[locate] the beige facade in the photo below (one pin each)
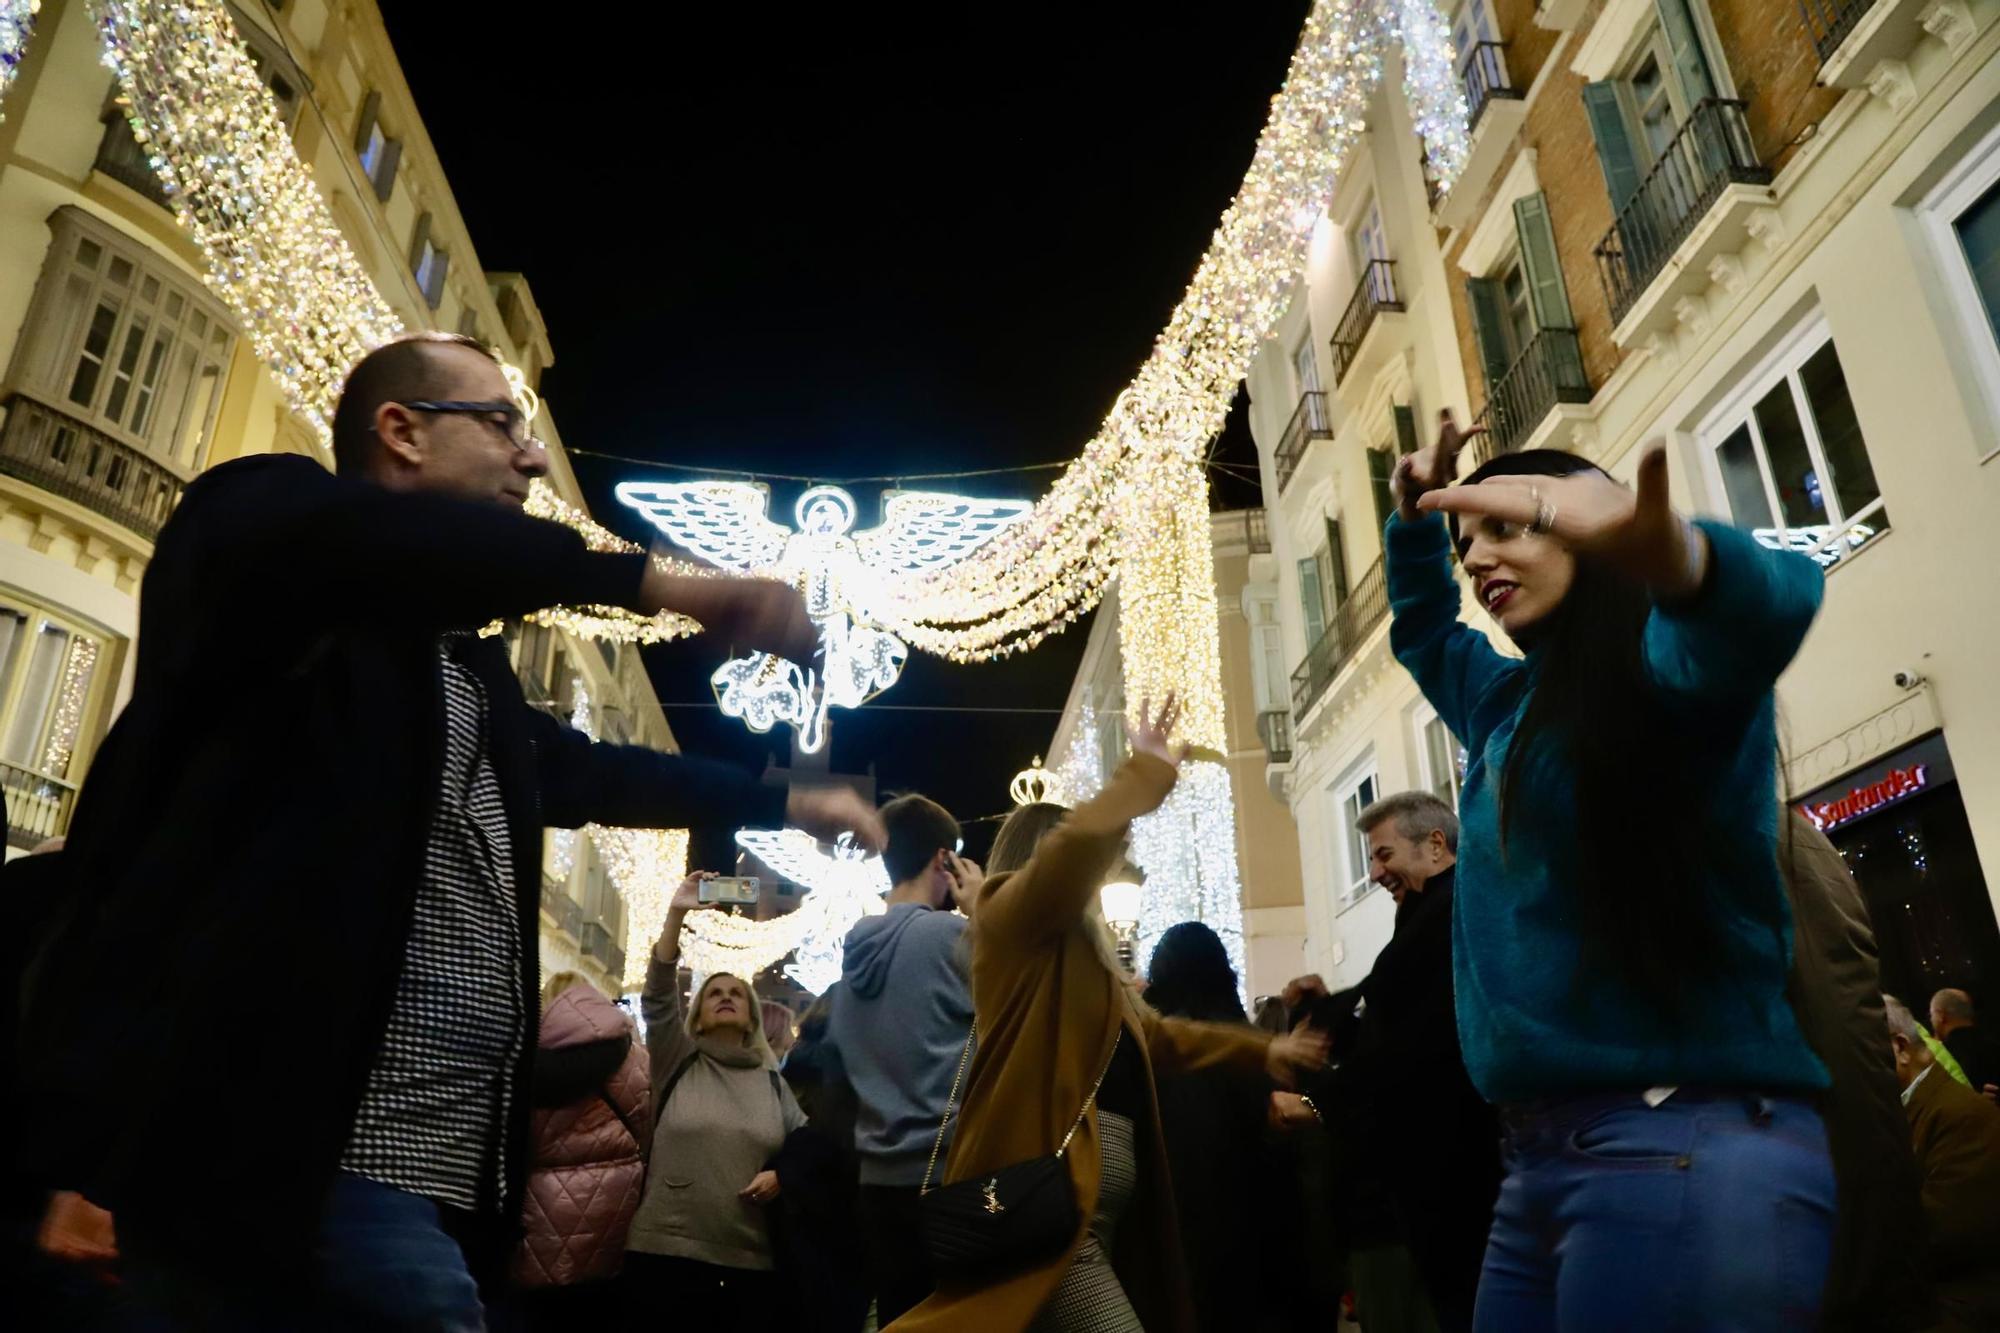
(1763, 233)
(123, 379)
(1253, 669)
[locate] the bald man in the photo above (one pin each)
(1974, 1047)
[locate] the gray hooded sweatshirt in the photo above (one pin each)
(900, 1022)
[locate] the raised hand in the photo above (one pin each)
(1635, 532)
(1149, 733)
(1432, 467)
(761, 615)
(687, 898)
(827, 812)
(965, 876)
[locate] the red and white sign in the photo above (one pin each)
(1897, 784)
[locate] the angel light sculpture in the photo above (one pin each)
(843, 575)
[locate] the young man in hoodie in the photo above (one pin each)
(900, 1023)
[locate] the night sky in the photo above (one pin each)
(848, 242)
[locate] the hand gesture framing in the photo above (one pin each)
(1149, 734)
(1635, 532)
(1432, 467)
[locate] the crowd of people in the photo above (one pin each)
(1605, 1073)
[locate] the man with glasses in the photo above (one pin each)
(285, 1035)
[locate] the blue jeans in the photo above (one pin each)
(1711, 1211)
(384, 1261)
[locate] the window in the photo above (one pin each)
(1528, 297)
(1350, 797)
(47, 669)
(1371, 244)
(1516, 312)
(428, 262)
(124, 344)
(1636, 115)
(378, 152)
(1441, 759)
(1471, 24)
(1789, 456)
(1382, 461)
(1961, 216)
(1269, 680)
(1305, 364)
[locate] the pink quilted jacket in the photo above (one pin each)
(589, 1164)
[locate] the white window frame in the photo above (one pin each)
(1422, 718)
(1937, 212)
(1267, 645)
(74, 740)
(1781, 365)
(1346, 838)
(1305, 364)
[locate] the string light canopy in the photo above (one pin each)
(1134, 504)
(17, 25)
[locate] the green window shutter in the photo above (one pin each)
(435, 292)
(1540, 263)
(417, 239)
(1406, 428)
(1381, 462)
(1336, 565)
(1684, 42)
(385, 174)
(1616, 153)
(1489, 328)
(1311, 603)
(371, 109)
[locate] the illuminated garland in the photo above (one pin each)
(17, 27)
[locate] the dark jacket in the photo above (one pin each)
(1956, 1135)
(1978, 1054)
(1875, 1282)
(260, 810)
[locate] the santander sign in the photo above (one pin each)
(1894, 786)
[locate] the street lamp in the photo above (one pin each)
(1120, 901)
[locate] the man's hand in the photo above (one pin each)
(77, 1231)
(1290, 1111)
(828, 812)
(763, 1188)
(965, 877)
(761, 615)
(1634, 531)
(1300, 989)
(1432, 467)
(1301, 1048)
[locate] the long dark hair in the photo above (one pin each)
(1642, 833)
(1190, 976)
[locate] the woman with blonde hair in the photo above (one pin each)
(1060, 1088)
(700, 1247)
(590, 1125)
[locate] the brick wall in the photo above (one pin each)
(1773, 65)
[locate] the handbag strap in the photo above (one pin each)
(951, 1101)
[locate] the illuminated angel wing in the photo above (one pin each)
(797, 856)
(924, 530)
(722, 522)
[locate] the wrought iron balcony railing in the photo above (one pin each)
(1828, 22)
(1375, 293)
(1310, 422)
(120, 157)
(1250, 526)
(1709, 153)
(1274, 728)
(65, 457)
(1353, 621)
(38, 805)
(1548, 371)
(1485, 77)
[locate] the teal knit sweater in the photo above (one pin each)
(1530, 1025)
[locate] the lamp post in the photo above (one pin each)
(1120, 901)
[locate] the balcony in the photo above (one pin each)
(1249, 526)
(1854, 39)
(53, 450)
(1375, 294)
(120, 157)
(567, 911)
(1312, 421)
(597, 942)
(1484, 75)
(1353, 621)
(38, 806)
(1548, 372)
(1274, 728)
(1666, 229)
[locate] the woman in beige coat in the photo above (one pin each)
(1054, 1011)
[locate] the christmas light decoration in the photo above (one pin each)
(1128, 508)
(74, 689)
(1080, 774)
(843, 579)
(1035, 784)
(17, 27)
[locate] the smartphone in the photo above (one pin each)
(734, 890)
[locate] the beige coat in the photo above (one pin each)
(1048, 1012)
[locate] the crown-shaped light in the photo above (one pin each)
(1033, 784)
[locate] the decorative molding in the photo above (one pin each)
(1691, 312)
(1950, 21)
(1616, 26)
(1767, 227)
(1663, 346)
(1890, 80)
(1726, 272)
(1495, 232)
(1915, 714)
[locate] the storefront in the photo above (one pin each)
(1902, 829)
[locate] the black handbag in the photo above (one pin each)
(1004, 1220)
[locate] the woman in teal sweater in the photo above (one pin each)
(1620, 934)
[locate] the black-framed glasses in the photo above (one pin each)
(501, 412)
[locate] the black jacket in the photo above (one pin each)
(245, 853)
(1977, 1053)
